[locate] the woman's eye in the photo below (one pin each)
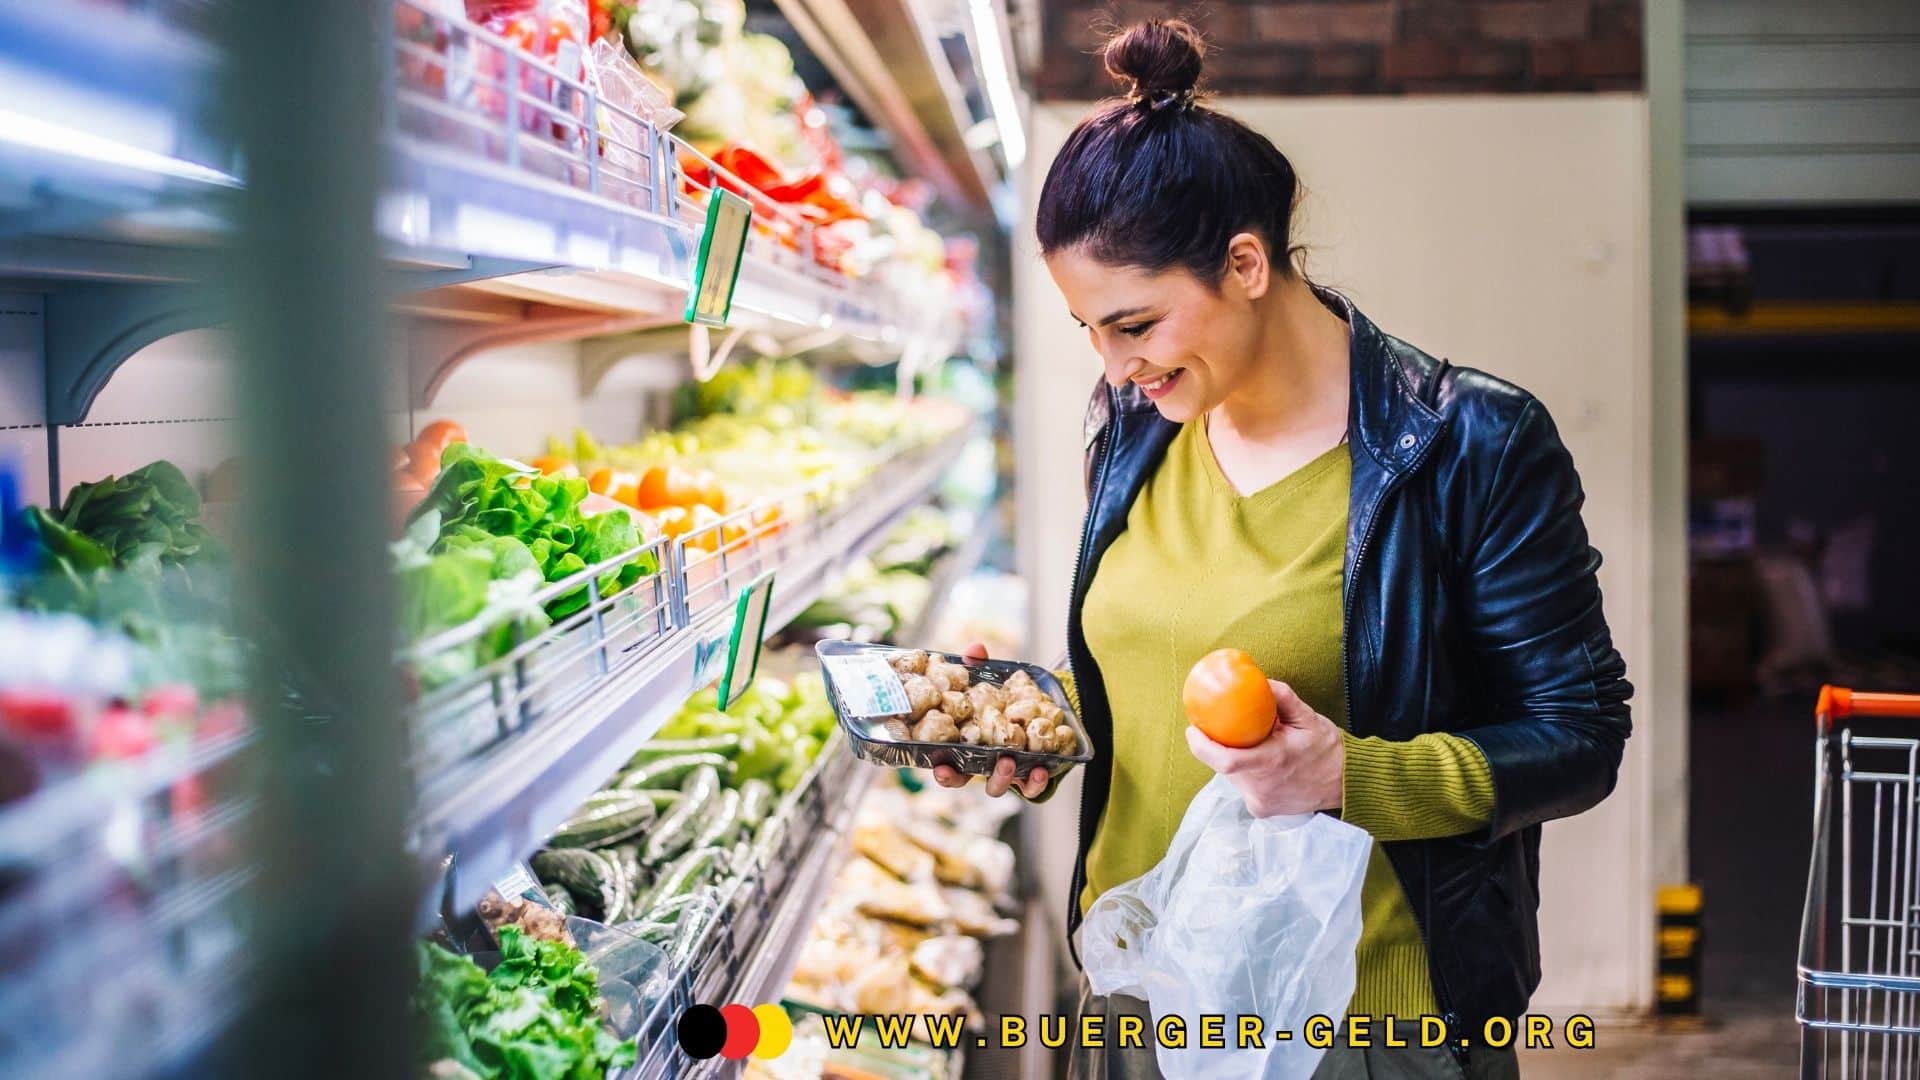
(1136, 329)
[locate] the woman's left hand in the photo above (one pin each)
(1298, 769)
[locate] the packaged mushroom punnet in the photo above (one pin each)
(919, 709)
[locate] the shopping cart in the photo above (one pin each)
(1859, 993)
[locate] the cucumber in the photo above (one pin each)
(627, 856)
(693, 927)
(659, 748)
(560, 898)
(663, 799)
(686, 874)
(654, 933)
(619, 889)
(606, 819)
(681, 824)
(586, 874)
(668, 911)
(756, 799)
(721, 822)
(667, 771)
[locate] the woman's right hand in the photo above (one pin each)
(1001, 779)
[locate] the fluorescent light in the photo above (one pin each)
(998, 81)
(37, 134)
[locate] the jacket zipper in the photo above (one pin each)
(1086, 535)
(1441, 995)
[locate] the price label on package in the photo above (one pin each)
(518, 881)
(867, 685)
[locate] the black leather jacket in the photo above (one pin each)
(1471, 606)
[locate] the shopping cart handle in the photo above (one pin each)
(1840, 703)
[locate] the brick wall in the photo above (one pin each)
(1293, 47)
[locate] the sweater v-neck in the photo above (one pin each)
(1278, 489)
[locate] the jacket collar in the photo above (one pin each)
(1386, 413)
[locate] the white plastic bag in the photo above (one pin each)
(1244, 916)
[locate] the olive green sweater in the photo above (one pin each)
(1202, 567)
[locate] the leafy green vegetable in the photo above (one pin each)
(130, 552)
(534, 1017)
(478, 496)
(447, 583)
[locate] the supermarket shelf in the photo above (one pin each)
(755, 939)
(766, 966)
(119, 126)
(776, 950)
(122, 163)
(884, 57)
(550, 738)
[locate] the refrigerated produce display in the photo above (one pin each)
(556, 480)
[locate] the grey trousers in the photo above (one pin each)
(1338, 1063)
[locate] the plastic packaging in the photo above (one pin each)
(867, 700)
(1244, 916)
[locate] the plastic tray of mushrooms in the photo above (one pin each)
(919, 709)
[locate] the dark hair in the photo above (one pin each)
(1154, 180)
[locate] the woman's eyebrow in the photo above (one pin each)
(1123, 313)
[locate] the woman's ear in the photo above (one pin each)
(1249, 264)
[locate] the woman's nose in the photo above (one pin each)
(1120, 369)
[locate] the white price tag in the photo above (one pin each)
(867, 685)
(516, 882)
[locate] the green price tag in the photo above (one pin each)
(749, 633)
(717, 270)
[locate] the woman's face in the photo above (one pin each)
(1185, 345)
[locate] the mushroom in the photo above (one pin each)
(984, 696)
(1020, 684)
(922, 694)
(957, 675)
(936, 726)
(956, 705)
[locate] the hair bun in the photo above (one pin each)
(1159, 60)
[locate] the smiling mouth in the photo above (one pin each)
(1160, 386)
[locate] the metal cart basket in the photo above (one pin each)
(1859, 967)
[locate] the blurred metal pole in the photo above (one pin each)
(329, 954)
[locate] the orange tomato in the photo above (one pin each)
(668, 485)
(674, 521)
(703, 535)
(766, 520)
(625, 489)
(434, 438)
(550, 463)
(732, 535)
(422, 466)
(599, 480)
(711, 491)
(1227, 697)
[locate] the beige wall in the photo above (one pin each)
(1509, 234)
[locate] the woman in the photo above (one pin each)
(1396, 541)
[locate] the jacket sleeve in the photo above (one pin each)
(1530, 601)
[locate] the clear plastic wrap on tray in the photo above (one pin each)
(919, 709)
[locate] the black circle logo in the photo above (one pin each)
(702, 1031)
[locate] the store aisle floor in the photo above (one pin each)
(1750, 840)
(1739, 1044)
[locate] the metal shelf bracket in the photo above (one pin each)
(92, 329)
(436, 348)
